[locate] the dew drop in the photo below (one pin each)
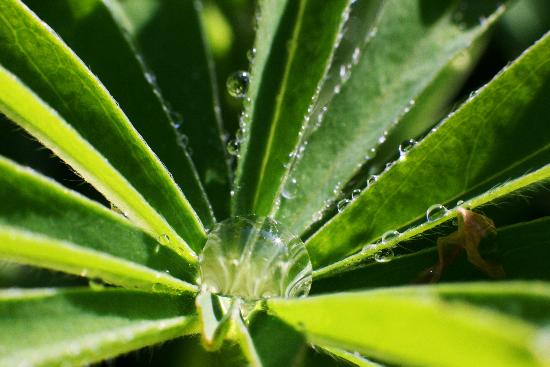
(342, 204)
(317, 216)
(237, 84)
(164, 239)
(251, 54)
(384, 256)
(355, 56)
(406, 146)
(368, 248)
(372, 179)
(290, 189)
(355, 193)
(459, 203)
(435, 212)
(242, 258)
(390, 236)
(233, 147)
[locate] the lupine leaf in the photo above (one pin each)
(170, 35)
(294, 46)
(523, 249)
(89, 28)
(466, 155)
(44, 224)
(392, 71)
(456, 325)
(80, 326)
(120, 164)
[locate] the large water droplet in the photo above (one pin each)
(435, 212)
(384, 256)
(390, 236)
(253, 258)
(237, 84)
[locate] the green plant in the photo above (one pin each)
(335, 87)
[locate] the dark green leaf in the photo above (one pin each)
(88, 27)
(523, 250)
(120, 164)
(170, 35)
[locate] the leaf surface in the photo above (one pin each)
(466, 155)
(294, 45)
(90, 29)
(79, 326)
(458, 325)
(392, 70)
(44, 224)
(170, 36)
(522, 249)
(77, 118)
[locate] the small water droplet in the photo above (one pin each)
(435, 212)
(251, 54)
(355, 193)
(406, 146)
(384, 256)
(317, 216)
(290, 189)
(459, 203)
(342, 204)
(372, 179)
(355, 56)
(237, 84)
(390, 236)
(368, 248)
(233, 147)
(164, 239)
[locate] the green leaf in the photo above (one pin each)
(44, 224)
(458, 325)
(518, 184)
(276, 343)
(523, 249)
(355, 358)
(89, 29)
(170, 35)
(392, 71)
(294, 45)
(215, 320)
(466, 155)
(86, 128)
(80, 326)
(243, 337)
